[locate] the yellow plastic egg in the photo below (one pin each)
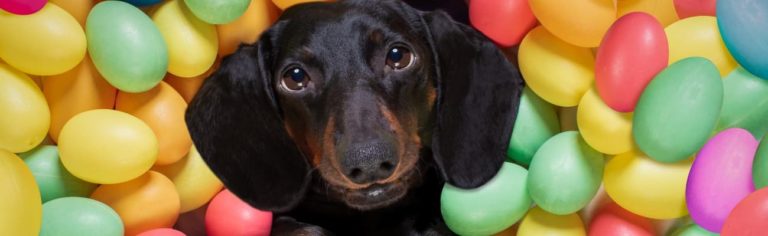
(194, 181)
(75, 91)
(77, 8)
(539, 222)
(144, 203)
(558, 72)
(662, 10)
(47, 42)
(246, 29)
(604, 129)
(579, 22)
(107, 146)
(283, 4)
(162, 108)
(25, 117)
(192, 43)
(21, 208)
(646, 187)
(699, 36)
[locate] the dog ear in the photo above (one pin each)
(235, 123)
(478, 95)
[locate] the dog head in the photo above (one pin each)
(355, 90)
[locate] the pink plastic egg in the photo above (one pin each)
(504, 21)
(228, 215)
(720, 177)
(632, 52)
(22, 7)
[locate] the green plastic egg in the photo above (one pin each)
(77, 216)
(565, 174)
(126, 46)
(678, 110)
(218, 11)
(760, 165)
(745, 103)
(490, 208)
(536, 122)
(51, 176)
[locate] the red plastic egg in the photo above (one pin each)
(749, 217)
(611, 219)
(688, 8)
(632, 52)
(504, 21)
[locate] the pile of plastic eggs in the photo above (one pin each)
(640, 117)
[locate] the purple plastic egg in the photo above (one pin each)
(720, 177)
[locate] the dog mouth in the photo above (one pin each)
(375, 196)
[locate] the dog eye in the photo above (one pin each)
(399, 58)
(295, 79)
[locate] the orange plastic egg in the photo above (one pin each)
(188, 87)
(75, 91)
(162, 108)
(246, 29)
(147, 202)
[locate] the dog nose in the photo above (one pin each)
(369, 162)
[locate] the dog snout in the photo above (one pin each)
(369, 162)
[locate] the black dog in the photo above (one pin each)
(348, 117)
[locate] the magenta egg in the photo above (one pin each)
(632, 52)
(720, 177)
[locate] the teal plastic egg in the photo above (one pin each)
(77, 216)
(51, 176)
(745, 103)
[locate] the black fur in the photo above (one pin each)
(238, 118)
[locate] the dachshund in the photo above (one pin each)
(349, 117)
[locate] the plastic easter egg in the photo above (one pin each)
(194, 181)
(51, 177)
(744, 103)
(690, 229)
(604, 129)
(126, 46)
(490, 208)
(75, 91)
(720, 177)
(741, 25)
(565, 174)
(25, 118)
(162, 108)
(284, 4)
(21, 206)
(579, 22)
(141, 3)
(760, 165)
(22, 7)
(611, 219)
(678, 110)
(699, 36)
(147, 202)
(188, 87)
(662, 10)
(689, 8)
(540, 222)
(504, 21)
(77, 8)
(558, 72)
(257, 17)
(749, 216)
(48, 42)
(162, 232)
(228, 215)
(632, 52)
(536, 122)
(218, 12)
(77, 216)
(646, 187)
(192, 43)
(107, 146)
